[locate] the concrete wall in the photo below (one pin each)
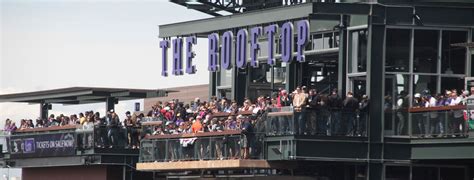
(69, 173)
(185, 94)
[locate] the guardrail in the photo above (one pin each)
(315, 122)
(69, 140)
(230, 144)
(428, 122)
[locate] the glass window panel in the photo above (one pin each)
(453, 59)
(472, 65)
(397, 173)
(397, 48)
(425, 173)
(426, 51)
(225, 77)
(396, 102)
(318, 41)
(359, 86)
(452, 174)
(449, 83)
(358, 52)
(425, 85)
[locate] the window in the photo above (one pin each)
(358, 51)
(424, 84)
(453, 59)
(397, 50)
(449, 83)
(472, 65)
(225, 77)
(325, 40)
(397, 172)
(425, 58)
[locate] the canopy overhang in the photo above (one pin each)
(82, 95)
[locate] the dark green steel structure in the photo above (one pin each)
(381, 154)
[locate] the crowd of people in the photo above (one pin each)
(431, 123)
(312, 113)
(108, 128)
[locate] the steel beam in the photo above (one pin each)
(204, 26)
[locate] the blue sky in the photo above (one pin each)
(49, 44)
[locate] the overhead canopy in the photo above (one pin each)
(82, 95)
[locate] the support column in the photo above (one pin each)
(342, 63)
(212, 84)
(375, 84)
(291, 76)
(44, 108)
(110, 103)
(239, 84)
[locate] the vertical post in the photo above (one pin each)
(212, 83)
(342, 63)
(44, 107)
(110, 103)
(376, 75)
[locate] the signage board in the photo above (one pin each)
(42, 145)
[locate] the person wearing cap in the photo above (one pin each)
(418, 118)
(457, 115)
(401, 112)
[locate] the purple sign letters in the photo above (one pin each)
(241, 54)
(164, 57)
(254, 46)
(190, 68)
(221, 55)
(178, 56)
(287, 42)
(226, 50)
(213, 52)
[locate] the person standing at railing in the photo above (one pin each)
(440, 127)
(432, 126)
(283, 100)
(128, 127)
(113, 122)
(246, 138)
(363, 116)
(349, 109)
(457, 123)
(401, 110)
(334, 105)
(418, 119)
(299, 103)
(313, 111)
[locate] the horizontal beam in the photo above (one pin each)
(195, 165)
(270, 15)
(48, 96)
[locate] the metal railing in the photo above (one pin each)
(202, 147)
(434, 122)
(101, 136)
(315, 122)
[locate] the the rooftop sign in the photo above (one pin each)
(220, 53)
